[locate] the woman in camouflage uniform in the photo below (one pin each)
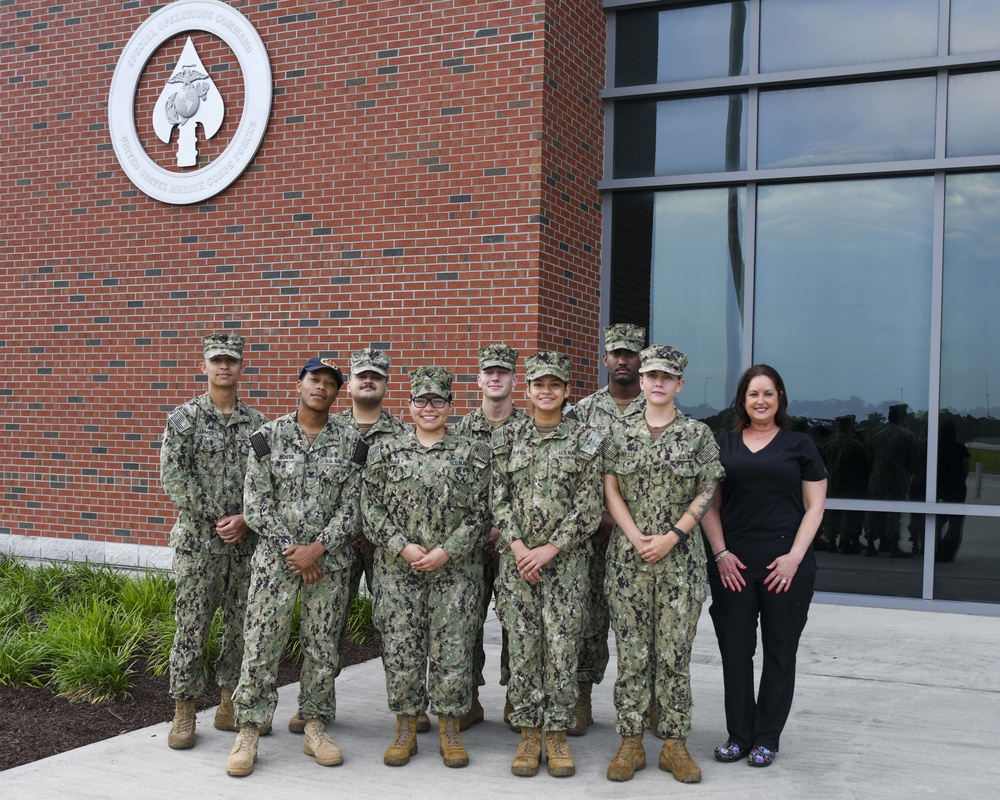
(658, 485)
(424, 499)
(546, 500)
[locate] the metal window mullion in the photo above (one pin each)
(934, 377)
(750, 271)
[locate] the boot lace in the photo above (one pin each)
(451, 732)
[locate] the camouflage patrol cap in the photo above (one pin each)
(223, 344)
(662, 358)
(370, 360)
(624, 336)
(314, 364)
(430, 380)
(547, 362)
(497, 355)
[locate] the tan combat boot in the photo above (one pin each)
(474, 715)
(423, 722)
(561, 764)
(181, 735)
(452, 749)
(296, 724)
(405, 743)
(244, 753)
(630, 758)
(675, 758)
(317, 743)
(584, 713)
(225, 715)
(529, 753)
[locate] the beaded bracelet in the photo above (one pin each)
(721, 554)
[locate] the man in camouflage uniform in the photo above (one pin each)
(658, 485)
(546, 501)
(496, 382)
(621, 398)
(847, 467)
(202, 465)
(301, 495)
(367, 386)
(425, 506)
(893, 452)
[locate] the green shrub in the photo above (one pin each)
(360, 625)
(90, 648)
(20, 654)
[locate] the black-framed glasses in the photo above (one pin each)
(421, 402)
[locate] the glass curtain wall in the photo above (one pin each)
(817, 186)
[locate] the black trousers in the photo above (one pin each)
(759, 720)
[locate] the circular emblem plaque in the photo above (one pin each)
(194, 95)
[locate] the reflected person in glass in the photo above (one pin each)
(761, 526)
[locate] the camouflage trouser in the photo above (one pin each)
(270, 608)
(428, 624)
(544, 622)
(204, 582)
(361, 565)
(490, 571)
(594, 652)
(655, 618)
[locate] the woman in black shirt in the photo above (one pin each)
(761, 526)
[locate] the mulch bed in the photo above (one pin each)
(35, 723)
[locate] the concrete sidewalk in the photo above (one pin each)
(889, 704)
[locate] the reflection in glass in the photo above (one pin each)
(974, 114)
(829, 33)
(691, 135)
(974, 574)
(975, 26)
(970, 326)
(676, 137)
(880, 576)
(679, 44)
(842, 298)
(847, 124)
(698, 261)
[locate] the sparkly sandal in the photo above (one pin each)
(760, 756)
(729, 752)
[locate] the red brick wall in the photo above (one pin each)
(427, 184)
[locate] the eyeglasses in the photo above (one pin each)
(421, 402)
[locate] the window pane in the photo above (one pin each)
(970, 330)
(974, 114)
(842, 310)
(883, 577)
(975, 26)
(697, 290)
(678, 44)
(847, 124)
(829, 33)
(676, 137)
(973, 574)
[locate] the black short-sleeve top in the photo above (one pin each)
(762, 497)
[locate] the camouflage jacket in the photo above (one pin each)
(547, 489)
(385, 425)
(599, 410)
(299, 494)
(658, 480)
(203, 461)
(434, 497)
(476, 426)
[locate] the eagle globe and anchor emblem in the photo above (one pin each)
(190, 102)
(188, 98)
